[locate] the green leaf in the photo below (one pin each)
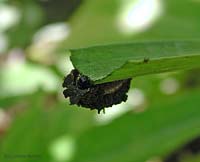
(161, 129)
(120, 61)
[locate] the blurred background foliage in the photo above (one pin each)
(160, 117)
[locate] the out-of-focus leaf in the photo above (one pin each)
(139, 137)
(121, 61)
(99, 21)
(35, 127)
(191, 158)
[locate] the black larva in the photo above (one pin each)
(83, 92)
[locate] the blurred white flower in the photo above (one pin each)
(138, 15)
(62, 149)
(9, 16)
(21, 77)
(135, 97)
(46, 41)
(169, 86)
(64, 63)
(52, 33)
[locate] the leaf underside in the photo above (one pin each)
(120, 61)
